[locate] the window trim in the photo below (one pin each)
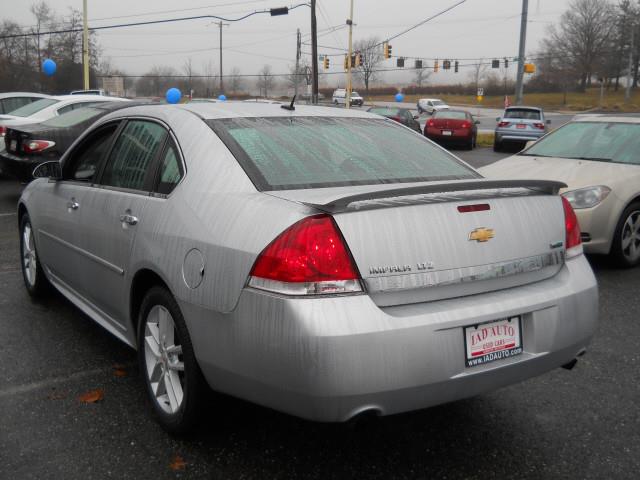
(147, 189)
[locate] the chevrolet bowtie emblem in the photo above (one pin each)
(482, 234)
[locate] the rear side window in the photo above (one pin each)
(132, 155)
(170, 170)
(312, 152)
(84, 162)
(523, 113)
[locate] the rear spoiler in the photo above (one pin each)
(548, 187)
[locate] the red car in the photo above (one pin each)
(452, 126)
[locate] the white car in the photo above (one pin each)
(11, 101)
(431, 105)
(47, 108)
(340, 97)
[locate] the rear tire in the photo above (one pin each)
(625, 250)
(168, 365)
(34, 278)
(497, 147)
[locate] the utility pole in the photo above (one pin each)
(314, 54)
(221, 78)
(627, 93)
(85, 46)
(297, 77)
(523, 39)
(349, 85)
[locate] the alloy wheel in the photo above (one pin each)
(29, 258)
(630, 237)
(163, 359)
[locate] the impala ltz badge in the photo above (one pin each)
(482, 234)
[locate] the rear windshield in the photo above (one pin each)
(73, 117)
(598, 141)
(448, 114)
(522, 113)
(437, 102)
(313, 152)
(34, 107)
(386, 112)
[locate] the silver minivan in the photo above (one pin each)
(519, 125)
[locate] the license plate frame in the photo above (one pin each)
(521, 126)
(493, 340)
(447, 133)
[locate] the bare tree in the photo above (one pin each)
(298, 77)
(421, 75)
(582, 37)
(266, 80)
(43, 15)
(209, 69)
(371, 57)
(235, 81)
(187, 68)
(478, 73)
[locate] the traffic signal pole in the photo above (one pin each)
(349, 66)
(523, 39)
(85, 46)
(314, 54)
(297, 77)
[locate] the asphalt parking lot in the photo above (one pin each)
(582, 423)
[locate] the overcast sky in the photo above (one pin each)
(475, 29)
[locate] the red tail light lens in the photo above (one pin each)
(465, 125)
(504, 124)
(573, 243)
(539, 126)
(35, 146)
(431, 123)
(309, 258)
(397, 119)
(3, 131)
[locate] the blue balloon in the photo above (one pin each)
(49, 67)
(399, 97)
(173, 95)
(222, 97)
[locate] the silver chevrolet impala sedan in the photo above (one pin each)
(325, 263)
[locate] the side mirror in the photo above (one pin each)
(51, 170)
(497, 119)
(477, 122)
(548, 122)
(416, 117)
(529, 143)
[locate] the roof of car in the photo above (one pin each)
(249, 109)
(606, 118)
(23, 94)
(93, 98)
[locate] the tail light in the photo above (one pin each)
(431, 123)
(36, 146)
(539, 126)
(573, 242)
(504, 124)
(465, 125)
(309, 258)
(397, 119)
(3, 131)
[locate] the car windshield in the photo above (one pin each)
(438, 102)
(449, 115)
(73, 117)
(313, 152)
(35, 107)
(601, 141)
(523, 113)
(355, 94)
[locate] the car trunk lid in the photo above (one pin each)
(450, 239)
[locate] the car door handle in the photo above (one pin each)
(72, 204)
(129, 219)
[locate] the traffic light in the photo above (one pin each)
(418, 64)
(446, 64)
(325, 63)
(400, 62)
(495, 63)
(436, 66)
(358, 60)
(456, 66)
(346, 61)
(386, 49)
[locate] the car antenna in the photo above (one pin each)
(290, 107)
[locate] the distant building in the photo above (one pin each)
(113, 86)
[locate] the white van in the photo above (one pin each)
(340, 97)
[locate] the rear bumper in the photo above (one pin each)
(332, 358)
(18, 167)
(515, 136)
(456, 136)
